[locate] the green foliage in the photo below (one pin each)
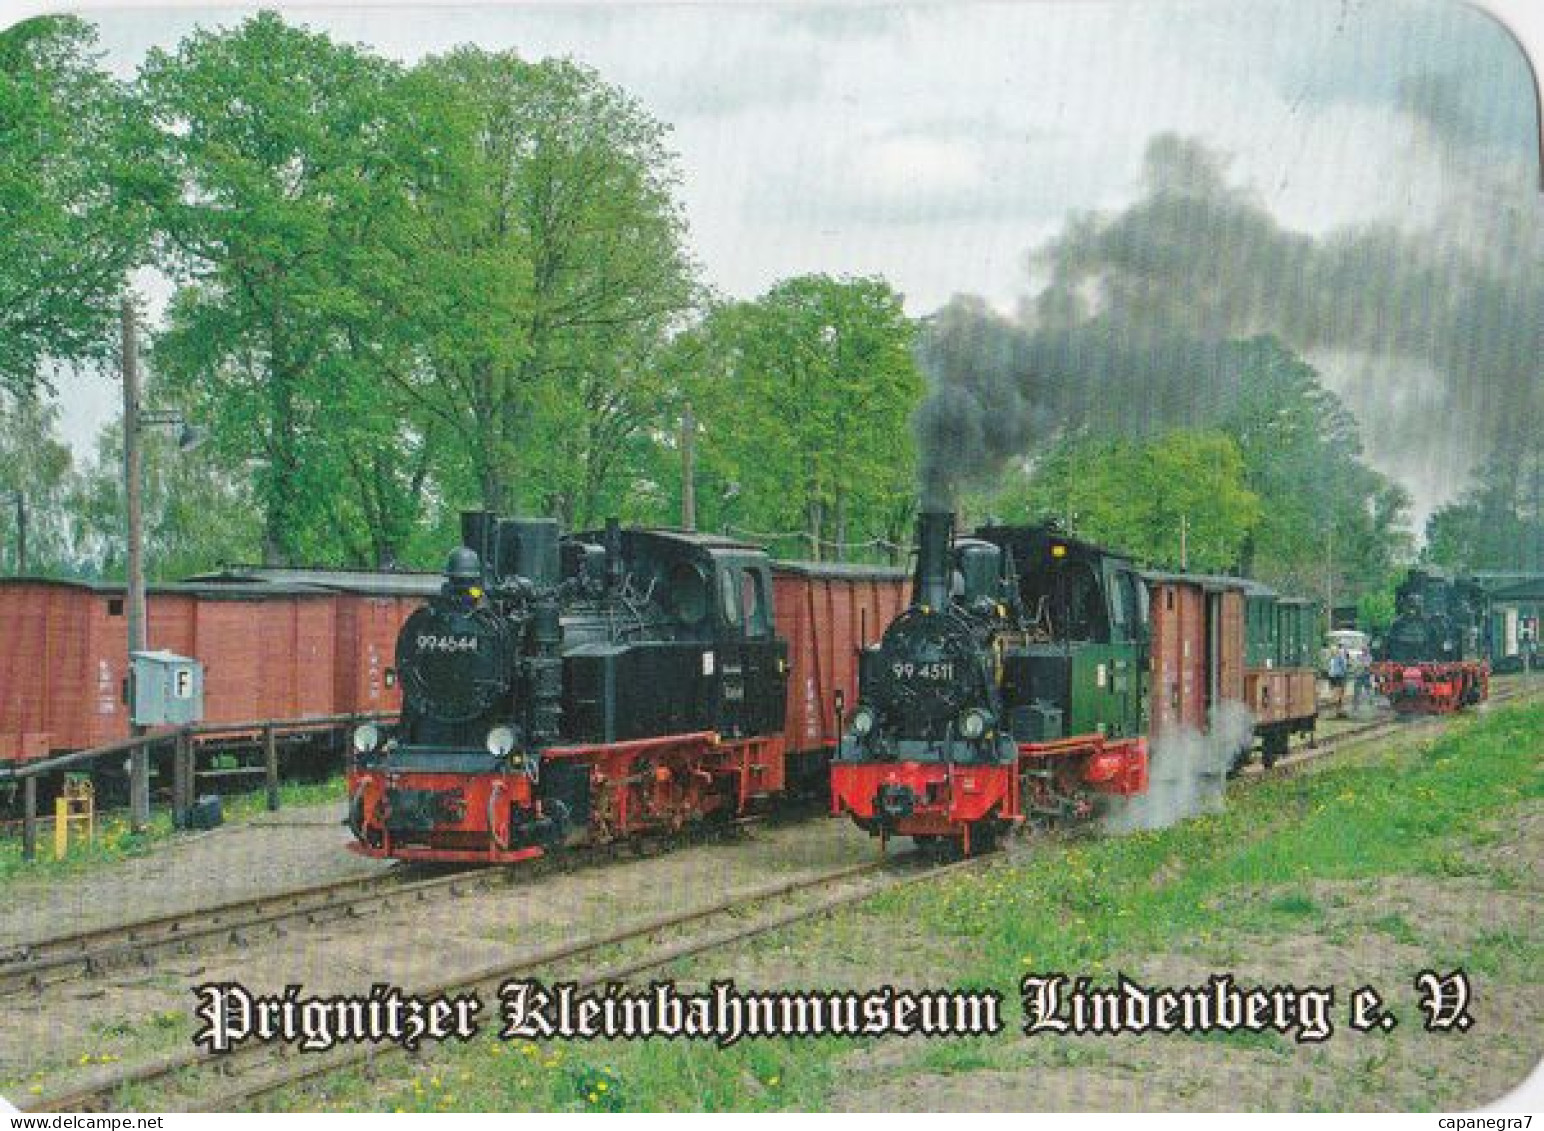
(804, 396)
(273, 185)
(404, 291)
(1144, 496)
(35, 463)
(1326, 512)
(1375, 609)
(68, 230)
(198, 517)
(548, 265)
(1498, 524)
(1274, 485)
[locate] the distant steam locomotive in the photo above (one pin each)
(1429, 660)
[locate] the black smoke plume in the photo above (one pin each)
(1431, 337)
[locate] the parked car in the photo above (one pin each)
(1358, 653)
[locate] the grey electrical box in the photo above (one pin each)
(166, 689)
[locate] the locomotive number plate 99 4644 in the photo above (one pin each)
(428, 643)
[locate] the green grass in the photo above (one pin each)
(1077, 906)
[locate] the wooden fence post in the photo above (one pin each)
(271, 762)
(29, 823)
(182, 779)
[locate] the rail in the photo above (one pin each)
(182, 740)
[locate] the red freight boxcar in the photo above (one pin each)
(1197, 649)
(64, 656)
(371, 608)
(829, 613)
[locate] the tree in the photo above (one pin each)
(805, 396)
(549, 252)
(1329, 519)
(276, 181)
(68, 231)
(36, 477)
(198, 516)
(1498, 523)
(1177, 499)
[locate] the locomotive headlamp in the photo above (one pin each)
(500, 741)
(1058, 550)
(973, 723)
(863, 721)
(367, 736)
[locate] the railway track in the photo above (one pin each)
(189, 1077)
(34, 967)
(194, 1079)
(1375, 729)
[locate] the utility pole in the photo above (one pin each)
(688, 468)
(1329, 575)
(1184, 541)
(134, 602)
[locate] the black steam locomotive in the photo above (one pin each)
(595, 684)
(1428, 661)
(1437, 620)
(1010, 687)
(931, 688)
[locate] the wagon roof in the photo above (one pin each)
(236, 590)
(860, 570)
(362, 581)
(1210, 581)
(1530, 590)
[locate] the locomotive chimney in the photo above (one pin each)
(935, 534)
(478, 529)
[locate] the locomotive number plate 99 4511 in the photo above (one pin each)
(935, 671)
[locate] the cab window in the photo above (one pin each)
(729, 596)
(753, 603)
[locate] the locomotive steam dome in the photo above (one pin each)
(454, 661)
(929, 667)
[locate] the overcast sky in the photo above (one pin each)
(934, 144)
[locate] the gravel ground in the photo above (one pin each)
(274, 852)
(129, 1014)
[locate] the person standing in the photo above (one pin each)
(1338, 679)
